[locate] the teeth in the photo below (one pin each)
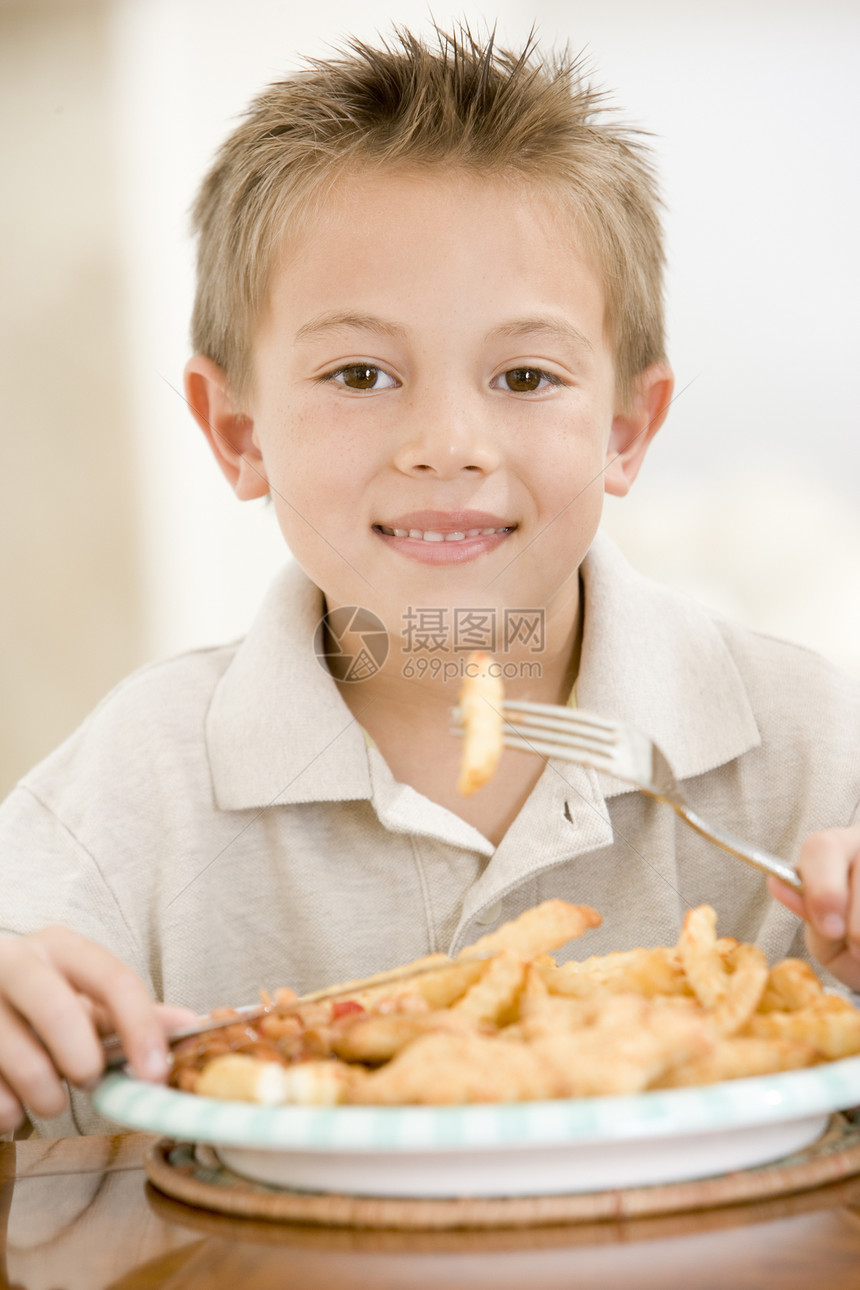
(430, 536)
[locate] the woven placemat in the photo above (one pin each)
(195, 1176)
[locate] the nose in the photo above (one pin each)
(445, 438)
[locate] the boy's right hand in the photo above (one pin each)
(58, 991)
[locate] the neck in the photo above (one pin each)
(428, 681)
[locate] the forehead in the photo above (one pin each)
(390, 195)
(392, 228)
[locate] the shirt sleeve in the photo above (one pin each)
(47, 876)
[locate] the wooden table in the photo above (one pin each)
(78, 1214)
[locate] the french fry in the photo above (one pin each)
(493, 998)
(437, 989)
(449, 1069)
(831, 1025)
(738, 1058)
(546, 927)
(535, 989)
(648, 972)
(744, 988)
(621, 1057)
(481, 697)
(701, 960)
(791, 985)
(376, 1039)
(238, 1078)
(552, 1014)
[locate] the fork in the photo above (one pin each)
(617, 749)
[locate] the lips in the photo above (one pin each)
(445, 537)
(445, 526)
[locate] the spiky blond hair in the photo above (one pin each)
(458, 104)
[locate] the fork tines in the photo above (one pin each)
(554, 732)
(550, 716)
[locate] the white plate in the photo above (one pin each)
(509, 1149)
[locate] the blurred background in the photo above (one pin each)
(121, 543)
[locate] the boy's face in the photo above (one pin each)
(434, 401)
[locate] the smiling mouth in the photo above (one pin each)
(431, 535)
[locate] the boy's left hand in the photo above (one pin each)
(830, 901)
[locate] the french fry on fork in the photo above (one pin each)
(481, 713)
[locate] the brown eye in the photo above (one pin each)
(360, 376)
(523, 380)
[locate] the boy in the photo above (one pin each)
(429, 326)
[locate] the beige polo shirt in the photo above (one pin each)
(220, 823)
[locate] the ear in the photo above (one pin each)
(229, 432)
(633, 429)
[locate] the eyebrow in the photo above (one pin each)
(551, 328)
(324, 324)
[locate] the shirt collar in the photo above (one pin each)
(278, 731)
(657, 660)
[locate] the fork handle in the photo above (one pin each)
(753, 855)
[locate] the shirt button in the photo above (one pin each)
(489, 915)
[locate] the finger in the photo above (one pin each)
(824, 865)
(788, 896)
(171, 1017)
(853, 922)
(98, 1014)
(94, 971)
(174, 1017)
(12, 1113)
(26, 1069)
(843, 965)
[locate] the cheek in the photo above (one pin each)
(327, 444)
(569, 465)
(573, 514)
(307, 462)
(569, 489)
(317, 492)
